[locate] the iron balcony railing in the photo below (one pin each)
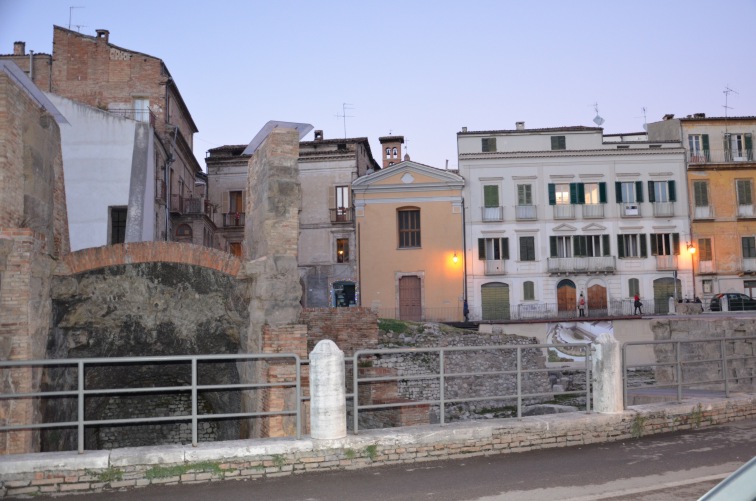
(720, 156)
(440, 364)
(526, 212)
(23, 370)
(492, 213)
(564, 211)
(233, 219)
(536, 310)
(341, 215)
(748, 265)
(685, 365)
(665, 263)
(703, 212)
(495, 266)
(593, 211)
(602, 264)
(190, 205)
(664, 209)
(140, 115)
(746, 210)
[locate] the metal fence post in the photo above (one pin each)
(723, 351)
(519, 383)
(80, 420)
(194, 401)
(678, 366)
(442, 385)
(299, 396)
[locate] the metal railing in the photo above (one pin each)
(82, 391)
(720, 156)
(536, 310)
(495, 266)
(442, 375)
(526, 212)
(564, 211)
(602, 264)
(342, 215)
(138, 114)
(492, 213)
(592, 211)
(678, 362)
(663, 209)
(448, 314)
(233, 219)
(666, 262)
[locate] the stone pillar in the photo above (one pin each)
(327, 392)
(607, 375)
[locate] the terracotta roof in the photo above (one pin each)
(573, 128)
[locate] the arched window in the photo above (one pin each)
(394, 153)
(528, 291)
(388, 152)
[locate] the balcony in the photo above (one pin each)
(140, 115)
(704, 212)
(706, 267)
(749, 265)
(720, 156)
(342, 215)
(603, 264)
(192, 205)
(593, 211)
(663, 209)
(564, 211)
(666, 263)
(495, 267)
(746, 210)
(526, 212)
(233, 220)
(630, 209)
(492, 213)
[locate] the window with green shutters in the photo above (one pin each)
(527, 249)
(665, 244)
(493, 249)
(628, 192)
(701, 193)
(491, 195)
(633, 286)
(749, 247)
(704, 249)
(744, 192)
(528, 291)
(524, 194)
(590, 245)
(631, 245)
(488, 144)
(558, 143)
(662, 191)
(577, 193)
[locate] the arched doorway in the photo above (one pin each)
(597, 304)
(566, 298)
(494, 300)
(664, 288)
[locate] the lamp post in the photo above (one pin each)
(692, 251)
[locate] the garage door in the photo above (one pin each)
(495, 301)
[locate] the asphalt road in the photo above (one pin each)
(677, 466)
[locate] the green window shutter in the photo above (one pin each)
(521, 194)
(642, 242)
(552, 194)
(620, 246)
(651, 193)
(605, 251)
(574, 198)
(553, 246)
(676, 244)
(700, 194)
(654, 249)
(749, 147)
(580, 193)
(639, 191)
(705, 143)
(602, 193)
(672, 191)
(618, 191)
(505, 248)
(481, 248)
(744, 192)
(491, 195)
(576, 246)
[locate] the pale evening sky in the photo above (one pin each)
(423, 69)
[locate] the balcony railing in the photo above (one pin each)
(543, 311)
(749, 264)
(140, 115)
(706, 267)
(746, 210)
(703, 212)
(495, 267)
(603, 264)
(191, 205)
(720, 156)
(526, 212)
(341, 215)
(492, 213)
(564, 211)
(666, 263)
(630, 209)
(593, 211)
(233, 219)
(664, 209)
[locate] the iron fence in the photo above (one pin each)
(23, 370)
(702, 364)
(440, 372)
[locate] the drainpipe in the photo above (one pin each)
(359, 262)
(464, 253)
(31, 65)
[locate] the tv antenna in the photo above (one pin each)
(344, 108)
(597, 120)
(645, 120)
(70, 14)
(727, 93)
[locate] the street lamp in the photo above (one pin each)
(692, 251)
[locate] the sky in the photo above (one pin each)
(423, 69)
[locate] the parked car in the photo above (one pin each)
(736, 301)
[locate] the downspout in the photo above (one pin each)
(168, 162)
(359, 263)
(464, 254)
(31, 65)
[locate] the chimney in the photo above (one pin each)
(103, 35)
(19, 48)
(699, 115)
(520, 125)
(668, 116)
(318, 135)
(464, 129)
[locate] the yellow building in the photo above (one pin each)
(410, 245)
(721, 175)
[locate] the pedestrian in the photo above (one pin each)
(466, 311)
(638, 305)
(581, 306)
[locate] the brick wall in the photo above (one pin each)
(350, 328)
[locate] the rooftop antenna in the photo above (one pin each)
(645, 120)
(597, 120)
(70, 14)
(727, 93)
(79, 27)
(344, 108)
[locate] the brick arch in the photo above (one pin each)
(148, 252)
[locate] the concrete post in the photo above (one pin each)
(607, 375)
(327, 392)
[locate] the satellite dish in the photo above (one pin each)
(598, 120)
(645, 127)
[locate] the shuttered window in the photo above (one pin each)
(491, 195)
(701, 193)
(744, 191)
(409, 228)
(704, 249)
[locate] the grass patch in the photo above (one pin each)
(278, 461)
(392, 325)
(554, 357)
(639, 423)
(349, 453)
(181, 469)
(110, 475)
(696, 415)
(371, 451)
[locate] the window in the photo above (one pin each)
(409, 228)
(665, 244)
(560, 246)
(388, 152)
(629, 193)
(184, 230)
(707, 286)
(749, 247)
(661, 191)
(342, 250)
(744, 191)
(698, 146)
(493, 249)
(341, 147)
(631, 245)
(704, 249)
(527, 248)
(592, 193)
(738, 147)
(558, 143)
(491, 195)
(590, 245)
(488, 144)
(559, 194)
(577, 193)
(342, 197)
(528, 291)
(117, 225)
(235, 202)
(524, 194)
(633, 286)
(701, 193)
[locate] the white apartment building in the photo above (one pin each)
(552, 214)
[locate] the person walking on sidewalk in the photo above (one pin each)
(581, 306)
(638, 305)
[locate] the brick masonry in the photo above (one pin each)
(123, 470)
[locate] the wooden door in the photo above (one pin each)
(495, 301)
(566, 298)
(410, 303)
(596, 301)
(664, 288)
